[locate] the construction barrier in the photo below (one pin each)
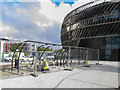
(31, 52)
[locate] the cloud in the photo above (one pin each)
(5, 30)
(50, 10)
(53, 12)
(40, 20)
(23, 21)
(80, 3)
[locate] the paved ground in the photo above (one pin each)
(95, 76)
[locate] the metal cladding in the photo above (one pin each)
(93, 25)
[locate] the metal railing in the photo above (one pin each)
(57, 55)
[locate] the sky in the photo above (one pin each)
(38, 20)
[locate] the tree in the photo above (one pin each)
(43, 48)
(27, 53)
(14, 46)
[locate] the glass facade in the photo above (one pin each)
(112, 48)
(94, 26)
(109, 47)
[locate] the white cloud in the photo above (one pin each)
(53, 12)
(29, 23)
(44, 25)
(80, 3)
(36, 21)
(6, 30)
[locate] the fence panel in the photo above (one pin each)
(31, 52)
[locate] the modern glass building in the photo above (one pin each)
(94, 25)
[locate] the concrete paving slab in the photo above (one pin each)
(73, 83)
(47, 80)
(105, 76)
(98, 77)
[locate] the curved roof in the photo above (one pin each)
(87, 5)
